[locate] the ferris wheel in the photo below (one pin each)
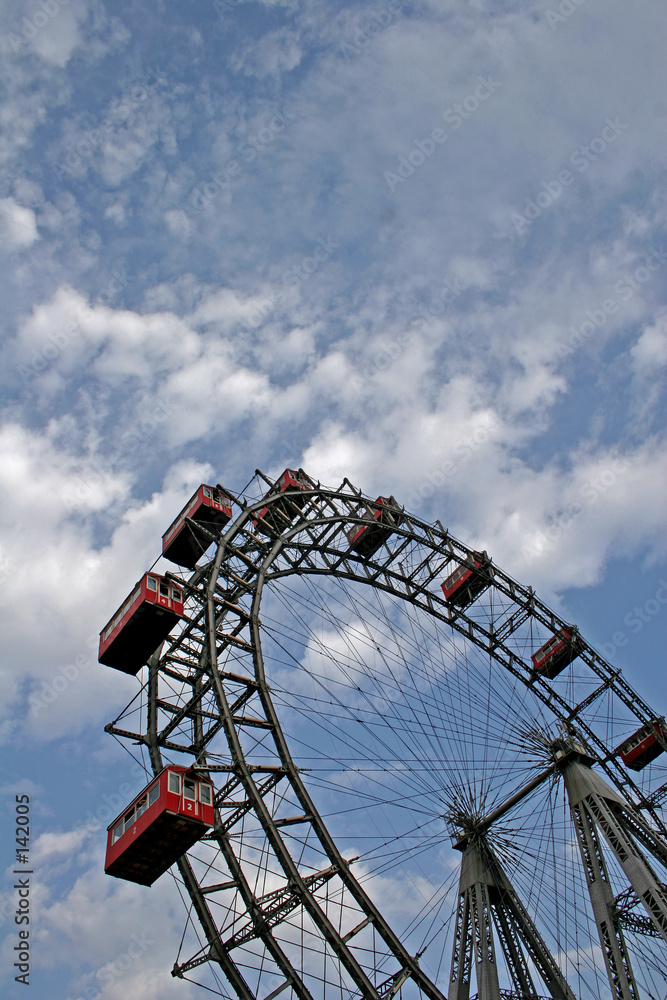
(395, 771)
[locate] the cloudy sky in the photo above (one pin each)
(419, 244)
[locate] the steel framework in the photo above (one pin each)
(283, 908)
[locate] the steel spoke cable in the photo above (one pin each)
(373, 736)
(433, 747)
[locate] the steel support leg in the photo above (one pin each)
(595, 807)
(487, 896)
(628, 834)
(616, 957)
(462, 951)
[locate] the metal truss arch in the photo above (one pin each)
(284, 908)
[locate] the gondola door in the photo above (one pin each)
(163, 594)
(189, 803)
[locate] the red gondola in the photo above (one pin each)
(181, 542)
(557, 652)
(170, 815)
(468, 580)
(365, 539)
(280, 511)
(644, 746)
(141, 624)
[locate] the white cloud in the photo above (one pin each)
(28, 192)
(558, 528)
(18, 227)
(105, 927)
(50, 501)
(52, 847)
(117, 213)
(177, 223)
(56, 40)
(277, 53)
(66, 332)
(21, 113)
(649, 354)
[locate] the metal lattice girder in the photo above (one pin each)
(217, 952)
(487, 896)
(268, 911)
(483, 944)
(612, 940)
(461, 969)
(597, 808)
(208, 687)
(511, 946)
(602, 807)
(625, 904)
(276, 905)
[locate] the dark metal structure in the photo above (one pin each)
(348, 716)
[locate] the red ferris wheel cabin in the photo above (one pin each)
(644, 745)
(366, 539)
(139, 626)
(468, 580)
(557, 652)
(181, 542)
(280, 511)
(170, 815)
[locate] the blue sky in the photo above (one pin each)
(421, 245)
